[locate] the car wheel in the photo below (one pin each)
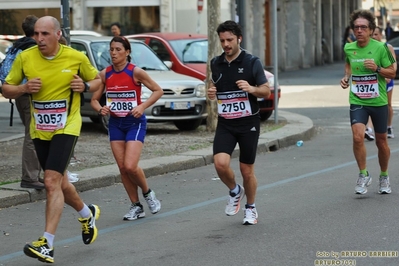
(265, 115)
(186, 125)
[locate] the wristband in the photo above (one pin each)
(87, 86)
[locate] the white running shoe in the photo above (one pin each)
(72, 177)
(153, 203)
(384, 186)
(250, 216)
(368, 134)
(135, 212)
(362, 183)
(390, 134)
(233, 203)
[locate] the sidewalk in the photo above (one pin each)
(298, 127)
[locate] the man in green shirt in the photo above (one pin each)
(368, 63)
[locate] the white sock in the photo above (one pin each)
(85, 212)
(50, 239)
(235, 190)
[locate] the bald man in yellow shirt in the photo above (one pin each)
(56, 75)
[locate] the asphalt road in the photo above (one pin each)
(308, 212)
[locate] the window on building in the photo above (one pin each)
(132, 19)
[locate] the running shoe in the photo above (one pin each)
(390, 134)
(153, 203)
(368, 134)
(250, 216)
(135, 212)
(89, 229)
(362, 183)
(40, 250)
(384, 186)
(233, 203)
(72, 177)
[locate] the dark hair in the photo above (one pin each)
(126, 44)
(361, 13)
(116, 24)
(230, 25)
(28, 25)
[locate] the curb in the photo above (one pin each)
(298, 127)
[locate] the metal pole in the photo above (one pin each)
(65, 25)
(241, 11)
(275, 61)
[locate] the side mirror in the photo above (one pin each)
(168, 64)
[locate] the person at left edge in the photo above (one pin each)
(30, 164)
(54, 87)
(127, 123)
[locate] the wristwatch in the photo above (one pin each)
(87, 86)
(378, 69)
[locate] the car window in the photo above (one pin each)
(100, 52)
(159, 49)
(191, 50)
(80, 47)
(145, 58)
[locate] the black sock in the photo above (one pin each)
(146, 194)
(137, 204)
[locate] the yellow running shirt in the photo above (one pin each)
(52, 110)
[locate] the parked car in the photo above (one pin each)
(188, 54)
(183, 102)
(395, 44)
(84, 33)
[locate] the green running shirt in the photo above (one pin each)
(365, 80)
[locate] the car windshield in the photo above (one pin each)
(191, 51)
(142, 56)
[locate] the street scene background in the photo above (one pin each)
(308, 212)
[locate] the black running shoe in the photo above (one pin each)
(89, 229)
(40, 250)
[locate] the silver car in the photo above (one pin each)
(183, 102)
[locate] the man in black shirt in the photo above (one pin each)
(238, 79)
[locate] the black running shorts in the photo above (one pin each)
(245, 133)
(56, 153)
(378, 115)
